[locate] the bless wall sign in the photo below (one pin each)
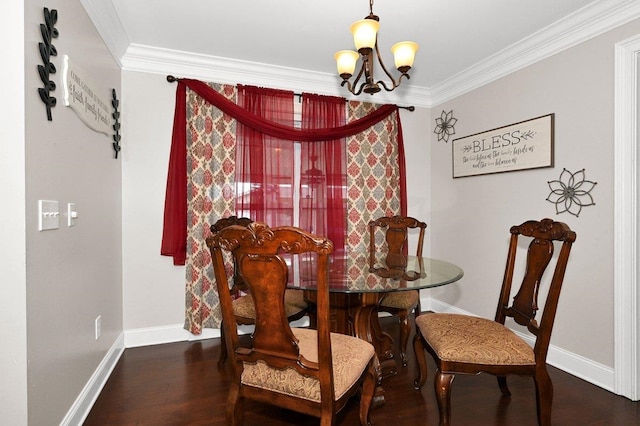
(524, 145)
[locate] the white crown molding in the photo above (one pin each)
(157, 60)
(584, 24)
(106, 20)
(590, 21)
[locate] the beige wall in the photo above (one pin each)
(73, 274)
(153, 294)
(13, 302)
(471, 215)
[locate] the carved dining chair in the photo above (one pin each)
(399, 303)
(310, 371)
(245, 313)
(462, 344)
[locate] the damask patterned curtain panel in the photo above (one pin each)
(211, 151)
(200, 182)
(375, 178)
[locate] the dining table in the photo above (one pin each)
(357, 283)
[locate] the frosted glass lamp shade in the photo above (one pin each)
(403, 54)
(346, 61)
(364, 34)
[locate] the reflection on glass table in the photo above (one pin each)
(357, 284)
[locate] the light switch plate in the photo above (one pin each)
(48, 215)
(72, 214)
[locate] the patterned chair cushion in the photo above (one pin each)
(293, 304)
(401, 299)
(474, 340)
(350, 356)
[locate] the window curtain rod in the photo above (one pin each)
(172, 79)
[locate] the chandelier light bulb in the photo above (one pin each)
(364, 34)
(346, 61)
(403, 54)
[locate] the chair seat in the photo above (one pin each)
(401, 299)
(463, 338)
(294, 303)
(350, 355)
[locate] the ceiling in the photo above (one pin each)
(295, 36)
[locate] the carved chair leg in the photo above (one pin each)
(405, 330)
(544, 396)
(235, 409)
(442, 385)
(327, 418)
(223, 347)
(366, 396)
(421, 360)
(504, 388)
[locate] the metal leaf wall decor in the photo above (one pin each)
(116, 122)
(445, 126)
(571, 192)
(47, 50)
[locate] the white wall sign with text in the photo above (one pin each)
(524, 145)
(83, 96)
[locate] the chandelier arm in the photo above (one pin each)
(395, 84)
(351, 88)
(384, 86)
(385, 68)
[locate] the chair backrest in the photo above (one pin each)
(539, 255)
(260, 252)
(238, 282)
(396, 234)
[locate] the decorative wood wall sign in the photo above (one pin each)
(571, 192)
(445, 126)
(47, 50)
(82, 96)
(116, 122)
(524, 145)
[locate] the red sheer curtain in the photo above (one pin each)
(264, 164)
(323, 181)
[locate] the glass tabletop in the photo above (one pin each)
(359, 273)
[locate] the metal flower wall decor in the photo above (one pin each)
(571, 192)
(445, 126)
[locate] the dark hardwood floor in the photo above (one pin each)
(181, 384)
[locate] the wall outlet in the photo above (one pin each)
(98, 326)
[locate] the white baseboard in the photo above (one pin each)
(576, 365)
(176, 333)
(165, 334)
(83, 403)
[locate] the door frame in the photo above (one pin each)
(626, 237)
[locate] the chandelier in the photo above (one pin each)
(365, 39)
